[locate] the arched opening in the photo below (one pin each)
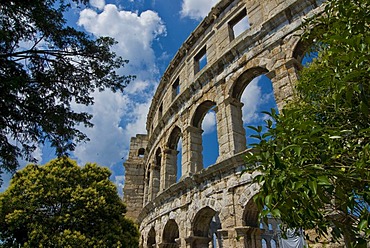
(179, 160)
(170, 234)
(250, 215)
(264, 243)
(209, 139)
(257, 97)
(273, 243)
(156, 172)
(303, 54)
(151, 238)
(205, 119)
(205, 226)
(141, 152)
(270, 227)
(174, 165)
(254, 90)
(147, 184)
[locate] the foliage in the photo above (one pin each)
(45, 66)
(62, 205)
(314, 161)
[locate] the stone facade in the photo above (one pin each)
(212, 207)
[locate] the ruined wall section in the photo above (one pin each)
(134, 176)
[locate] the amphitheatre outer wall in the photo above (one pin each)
(212, 207)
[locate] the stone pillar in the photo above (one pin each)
(284, 80)
(197, 242)
(192, 159)
(169, 168)
(134, 189)
(154, 181)
(224, 239)
(249, 236)
(230, 130)
(146, 187)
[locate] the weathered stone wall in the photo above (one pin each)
(212, 205)
(134, 176)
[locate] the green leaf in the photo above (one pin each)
(323, 180)
(335, 137)
(276, 213)
(268, 200)
(253, 128)
(313, 186)
(362, 225)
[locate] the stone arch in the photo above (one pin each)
(250, 214)
(170, 234)
(174, 138)
(151, 240)
(155, 174)
(273, 243)
(302, 48)
(147, 183)
(171, 169)
(158, 157)
(141, 152)
(208, 153)
(244, 79)
(204, 225)
(200, 112)
(202, 221)
(239, 104)
(264, 243)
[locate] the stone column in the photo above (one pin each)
(154, 181)
(169, 168)
(197, 242)
(146, 187)
(284, 78)
(250, 236)
(192, 159)
(224, 239)
(230, 130)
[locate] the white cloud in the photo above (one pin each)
(98, 4)
(119, 181)
(197, 9)
(209, 122)
(134, 33)
(106, 137)
(253, 100)
(118, 117)
(139, 112)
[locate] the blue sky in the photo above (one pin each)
(149, 34)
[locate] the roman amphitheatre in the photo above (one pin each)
(212, 207)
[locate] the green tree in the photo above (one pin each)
(46, 65)
(63, 205)
(314, 160)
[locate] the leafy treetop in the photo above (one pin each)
(63, 205)
(45, 66)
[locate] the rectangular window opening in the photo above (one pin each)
(160, 111)
(239, 24)
(200, 60)
(175, 88)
